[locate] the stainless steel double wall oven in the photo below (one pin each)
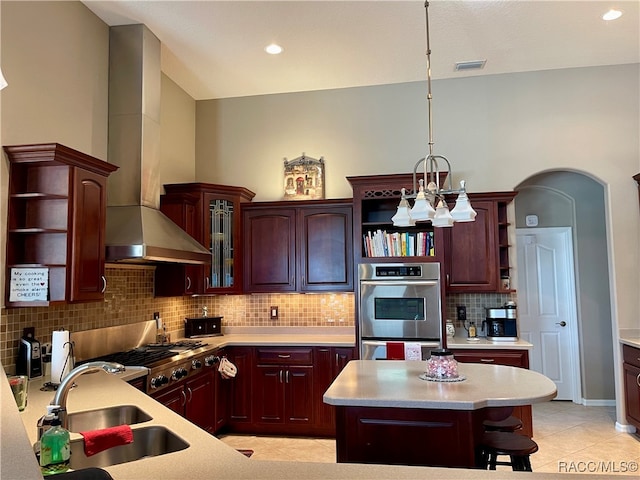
(398, 302)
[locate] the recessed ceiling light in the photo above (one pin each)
(273, 49)
(612, 14)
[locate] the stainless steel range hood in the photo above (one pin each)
(137, 232)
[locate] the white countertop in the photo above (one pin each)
(483, 343)
(630, 336)
(396, 384)
(206, 458)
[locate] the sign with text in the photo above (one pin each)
(29, 285)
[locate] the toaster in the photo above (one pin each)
(202, 327)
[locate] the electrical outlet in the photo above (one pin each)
(156, 315)
(462, 312)
(273, 313)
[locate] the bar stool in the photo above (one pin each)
(518, 447)
(509, 424)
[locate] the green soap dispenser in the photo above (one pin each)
(55, 448)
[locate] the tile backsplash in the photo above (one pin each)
(129, 299)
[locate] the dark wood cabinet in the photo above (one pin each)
(239, 389)
(172, 279)
(301, 248)
(375, 201)
(56, 221)
(329, 362)
(631, 367)
(513, 358)
(283, 389)
(194, 399)
(210, 213)
(477, 253)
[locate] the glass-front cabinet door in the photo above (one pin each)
(222, 224)
(222, 213)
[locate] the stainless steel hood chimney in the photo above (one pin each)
(137, 232)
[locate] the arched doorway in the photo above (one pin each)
(575, 200)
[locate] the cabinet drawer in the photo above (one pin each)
(285, 356)
(631, 355)
(513, 358)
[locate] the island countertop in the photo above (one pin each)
(397, 384)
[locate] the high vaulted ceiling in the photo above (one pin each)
(214, 49)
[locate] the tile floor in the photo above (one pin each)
(571, 438)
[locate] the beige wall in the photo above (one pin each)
(496, 130)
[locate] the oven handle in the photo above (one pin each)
(383, 343)
(390, 283)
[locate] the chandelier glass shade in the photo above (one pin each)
(430, 203)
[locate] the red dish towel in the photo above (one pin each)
(95, 441)
(395, 350)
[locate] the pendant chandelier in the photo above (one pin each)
(430, 203)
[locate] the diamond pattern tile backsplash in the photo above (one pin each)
(129, 299)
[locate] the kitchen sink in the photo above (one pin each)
(105, 418)
(147, 442)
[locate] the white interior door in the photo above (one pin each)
(547, 315)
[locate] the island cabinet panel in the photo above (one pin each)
(57, 221)
(404, 436)
(283, 389)
(631, 367)
(306, 248)
(329, 362)
(513, 358)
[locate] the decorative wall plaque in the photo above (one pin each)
(304, 178)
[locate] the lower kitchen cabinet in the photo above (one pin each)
(631, 367)
(193, 399)
(239, 389)
(513, 358)
(329, 362)
(283, 389)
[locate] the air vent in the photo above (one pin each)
(470, 65)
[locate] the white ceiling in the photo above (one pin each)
(214, 49)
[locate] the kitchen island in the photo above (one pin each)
(385, 413)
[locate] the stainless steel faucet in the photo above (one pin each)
(62, 392)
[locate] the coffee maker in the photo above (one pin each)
(29, 361)
(501, 324)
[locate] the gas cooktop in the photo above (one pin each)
(150, 355)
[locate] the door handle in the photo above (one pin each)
(184, 398)
(562, 323)
(287, 377)
(280, 376)
(190, 394)
(638, 379)
(104, 284)
(487, 360)
(188, 287)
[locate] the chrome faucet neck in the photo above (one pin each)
(60, 398)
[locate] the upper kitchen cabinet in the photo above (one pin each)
(477, 253)
(376, 239)
(302, 246)
(211, 215)
(56, 225)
